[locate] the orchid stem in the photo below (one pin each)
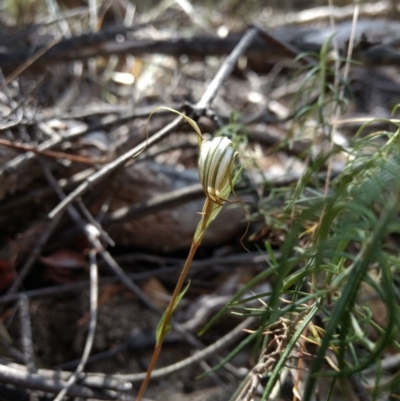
(215, 167)
(168, 314)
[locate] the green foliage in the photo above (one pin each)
(164, 327)
(337, 242)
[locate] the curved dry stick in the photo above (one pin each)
(26, 328)
(92, 326)
(18, 377)
(119, 381)
(199, 356)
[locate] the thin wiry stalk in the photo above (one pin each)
(92, 326)
(166, 321)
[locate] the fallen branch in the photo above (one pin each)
(18, 377)
(287, 40)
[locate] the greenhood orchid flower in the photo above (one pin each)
(216, 164)
(215, 167)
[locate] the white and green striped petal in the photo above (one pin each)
(216, 161)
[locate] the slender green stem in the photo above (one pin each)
(168, 314)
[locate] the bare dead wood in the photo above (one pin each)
(33, 381)
(287, 40)
(98, 379)
(81, 48)
(91, 329)
(26, 327)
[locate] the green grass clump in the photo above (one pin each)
(338, 259)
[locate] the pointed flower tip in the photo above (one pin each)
(216, 161)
